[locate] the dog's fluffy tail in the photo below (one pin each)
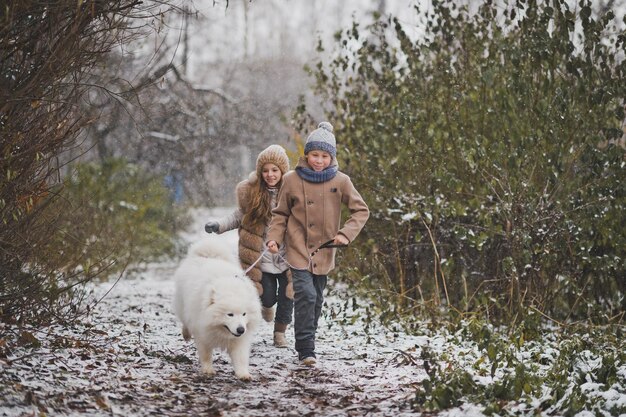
(212, 247)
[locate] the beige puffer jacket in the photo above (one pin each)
(252, 236)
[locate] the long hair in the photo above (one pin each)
(260, 204)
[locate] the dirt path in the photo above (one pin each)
(128, 358)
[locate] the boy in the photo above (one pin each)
(308, 214)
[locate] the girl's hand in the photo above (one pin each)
(272, 246)
(341, 240)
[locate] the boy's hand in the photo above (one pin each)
(272, 246)
(341, 240)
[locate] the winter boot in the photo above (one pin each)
(309, 361)
(279, 335)
(279, 340)
(268, 314)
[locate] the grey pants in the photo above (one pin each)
(274, 292)
(309, 297)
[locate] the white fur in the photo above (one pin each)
(217, 304)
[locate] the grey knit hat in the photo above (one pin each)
(322, 139)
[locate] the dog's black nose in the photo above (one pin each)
(240, 330)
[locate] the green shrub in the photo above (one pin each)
(489, 154)
(565, 371)
(124, 216)
(109, 218)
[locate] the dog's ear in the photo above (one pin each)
(210, 298)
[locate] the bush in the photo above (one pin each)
(490, 155)
(49, 53)
(108, 216)
(564, 371)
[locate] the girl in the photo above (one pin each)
(256, 197)
(309, 214)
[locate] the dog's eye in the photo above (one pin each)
(244, 314)
(230, 314)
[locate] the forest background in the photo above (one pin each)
(487, 138)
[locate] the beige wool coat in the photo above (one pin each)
(309, 214)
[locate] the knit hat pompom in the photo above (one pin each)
(322, 139)
(273, 154)
(326, 126)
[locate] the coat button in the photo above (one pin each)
(310, 224)
(309, 202)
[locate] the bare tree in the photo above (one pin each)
(48, 52)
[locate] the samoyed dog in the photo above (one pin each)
(218, 305)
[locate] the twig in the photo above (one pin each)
(548, 317)
(408, 356)
(438, 263)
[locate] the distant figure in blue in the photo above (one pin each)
(174, 182)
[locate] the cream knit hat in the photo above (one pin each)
(274, 154)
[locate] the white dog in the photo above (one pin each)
(217, 304)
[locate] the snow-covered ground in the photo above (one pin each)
(128, 358)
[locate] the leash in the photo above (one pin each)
(326, 245)
(256, 262)
(329, 244)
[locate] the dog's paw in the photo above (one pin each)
(186, 333)
(207, 369)
(244, 376)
